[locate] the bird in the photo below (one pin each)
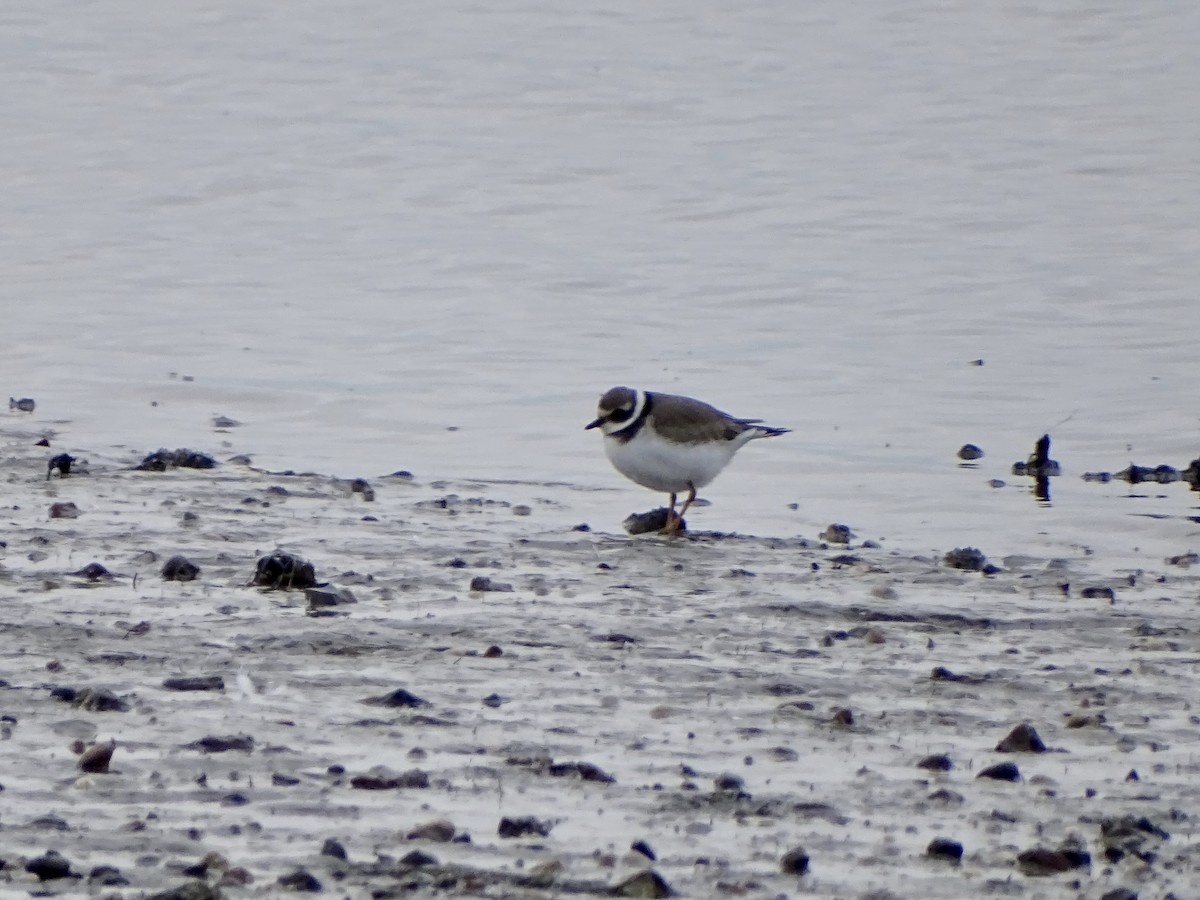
(671, 443)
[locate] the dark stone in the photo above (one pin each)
(969, 452)
(483, 583)
(968, 559)
(381, 778)
(1004, 771)
(794, 862)
(107, 876)
(90, 699)
(520, 826)
(1119, 894)
(218, 744)
(97, 757)
(194, 683)
(936, 762)
(50, 866)
(189, 890)
(439, 832)
(399, 698)
(319, 598)
(179, 568)
(280, 780)
(493, 700)
(333, 847)
(284, 572)
(584, 770)
(93, 571)
(643, 848)
(62, 462)
(25, 404)
(417, 858)
(161, 460)
(66, 510)
(1098, 593)
(729, 783)
(644, 884)
(235, 799)
(644, 523)
(944, 848)
(836, 534)
(300, 880)
(1041, 861)
(1022, 739)
(843, 717)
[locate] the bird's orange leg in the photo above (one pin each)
(672, 525)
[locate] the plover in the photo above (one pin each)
(670, 443)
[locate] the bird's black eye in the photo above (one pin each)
(619, 415)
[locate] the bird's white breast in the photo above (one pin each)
(662, 465)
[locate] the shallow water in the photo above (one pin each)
(359, 225)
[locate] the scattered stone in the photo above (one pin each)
(1119, 894)
(944, 848)
(194, 683)
(794, 862)
(189, 890)
(280, 780)
(1184, 560)
(520, 826)
(161, 460)
(90, 699)
(522, 510)
(301, 880)
(97, 757)
(1131, 835)
(25, 404)
(284, 572)
(643, 848)
(584, 770)
(179, 568)
(62, 462)
(837, 534)
(439, 831)
(647, 522)
(843, 717)
(1022, 739)
(381, 778)
(482, 583)
(969, 452)
(1098, 593)
(222, 744)
(50, 866)
(225, 422)
(645, 884)
(1041, 861)
(67, 510)
(494, 701)
(93, 571)
(936, 762)
(418, 858)
(399, 698)
(728, 783)
(326, 597)
(492, 652)
(1004, 771)
(333, 847)
(107, 876)
(968, 559)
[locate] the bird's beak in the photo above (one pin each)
(595, 424)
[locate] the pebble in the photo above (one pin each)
(969, 452)
(483, 584)
(1004, 771)
(25, 404)
(222, 744)
(61, 510)
(399, 698)
(648, 522)
(936, 762)
(418, 858)
(301, 880)
(520, 826)
(161, 460)
(1041, 861)
(97, 757)
(50, 866)
(334, 848)
(93, 571)
(646, 884)
(440, 831)
(90, 699)
(194, 683)
(837, 534)
(381, 778)
(179, 568)
(794, 862)
(1022, 739)
(944, 848)
(969, 559)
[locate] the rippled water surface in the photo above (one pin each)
(356, 226)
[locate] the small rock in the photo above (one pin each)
(67, 510)
(729, 783)
(90, 699)
(50, 866)
(194, 683)
(1041, 861)
(300, 880)
(968, 559)
(333, 847)
(225, 422)
(936, 762)
(284, 572)
(189, 890)
(1098, 593)
(843, 717)
(93, 572)
(161, 460)
(647, 522)
(837, 534)
(1022, 739)
(107, 876)
(944, 848)
(643, 884)
(522, 510)
(483, 583)
(492, 652)
(179, 568)
(97, 757)
(1004, 771)
(440, 831)
(969, 452)
(417, 858)
(381, 778)
(520, 826)
(1119, 894)
(399, 698)
(222, 744)
(794, 862)
(494, 701)
(25, 404)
